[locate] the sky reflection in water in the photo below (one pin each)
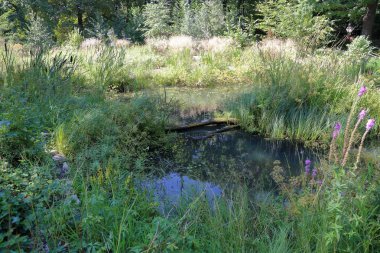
(217, 164)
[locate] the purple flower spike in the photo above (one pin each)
(370, 124)
(336, 131)
(307, 167)
(314, 173)
(307, 170)
(362, 91)
(362, 114)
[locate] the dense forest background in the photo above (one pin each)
(53, 21)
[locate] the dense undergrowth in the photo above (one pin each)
(61, 101)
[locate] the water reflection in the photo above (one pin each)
(174, 188)
(218, 164)
(237, 155)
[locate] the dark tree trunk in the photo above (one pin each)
(224, 3)
(369, 19)
(80, 18)
(239, 7)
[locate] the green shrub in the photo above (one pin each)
(34, 98)
(157, 19)
(106, 69)
(123, 134)
(74, 38)
(21, 132)
(133, 29)
(243, 37)
(26, 192)
(64, 28)
(106, 214)
(359, 50)
(294, 20)
(38, 35)
(98, 28)
(204, 20)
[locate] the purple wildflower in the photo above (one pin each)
(336, 131)
(319, 182)
(362, 114)
(314, 173)
(362, 91)
(370, 124)
(307, 167)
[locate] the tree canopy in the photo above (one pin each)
(134, 18)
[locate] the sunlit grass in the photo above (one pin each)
(108, 141)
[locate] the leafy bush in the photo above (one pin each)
(21, 134)
(133, 29)
(105, 68)
(38, 35)
(117, 132)
(64, 28)
(100, 29)
(35, 94)
(157, 19)
(205, 20)
(294, 20)
(238, 34)
(359, 50)
(74, 38)
(108, 212)
(26, 192)
(373, 67)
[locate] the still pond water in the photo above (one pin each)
(215, 166)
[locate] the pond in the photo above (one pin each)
(216, 165)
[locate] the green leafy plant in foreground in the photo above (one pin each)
(34, 97)
(342, 198)
(27, 192)
(124, 133)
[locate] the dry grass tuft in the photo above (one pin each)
(121, 43)
(179, 43)
(90, 43)
(277, 47)
(216, 44)
(157, 44)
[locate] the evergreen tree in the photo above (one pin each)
(38, 35)
(157, 19)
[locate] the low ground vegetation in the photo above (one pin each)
(97, 105)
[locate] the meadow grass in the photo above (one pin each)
(110, 142)
(285, 85)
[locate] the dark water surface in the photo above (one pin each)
(216, 165)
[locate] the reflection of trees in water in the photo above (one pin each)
(238, 157)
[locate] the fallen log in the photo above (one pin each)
(216, 121)
(212, 133)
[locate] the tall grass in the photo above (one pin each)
(298, 97)
(109, 143)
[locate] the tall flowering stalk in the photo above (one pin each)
(335, 135)
(361, 92)
(361, 116)
(369, 126)
(314, 173)
(307, 167)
